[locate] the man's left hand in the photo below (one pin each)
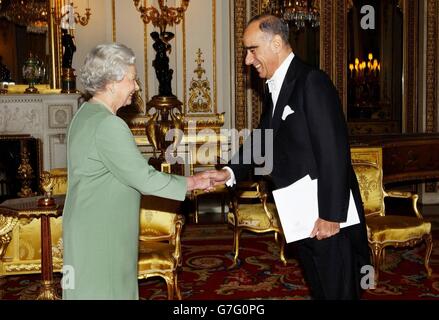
(324, 229)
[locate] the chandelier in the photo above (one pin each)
(32, 14)
(297, 13)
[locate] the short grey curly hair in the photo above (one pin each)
(105, 63)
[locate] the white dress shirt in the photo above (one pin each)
(274, 86)
(275, 82)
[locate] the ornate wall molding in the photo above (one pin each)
(214, 61)
(431, 75)
(410, 46)
(256, 82)
(326, 23)
(113, 17)
(339, 77)
(240, 20)
(431, 66)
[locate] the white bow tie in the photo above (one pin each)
(271, 85)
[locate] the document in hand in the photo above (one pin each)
(298, 209)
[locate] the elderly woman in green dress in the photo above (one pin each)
(107, 175)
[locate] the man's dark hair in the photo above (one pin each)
(272, 25)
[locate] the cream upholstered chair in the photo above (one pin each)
(20, 242)
(160, 245)
(250, 210)
(387, 230)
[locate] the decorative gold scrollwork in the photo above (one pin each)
(7, 224)
(366, 184)
(199, 97)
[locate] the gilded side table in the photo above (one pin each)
(28, 208)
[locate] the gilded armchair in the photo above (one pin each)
(388, 230)
(250, 210)
(20, 241)
(160, 245)
(219, 191)
(206, 160)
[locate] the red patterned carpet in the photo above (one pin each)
(261, 275)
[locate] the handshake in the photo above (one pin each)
(207, 180)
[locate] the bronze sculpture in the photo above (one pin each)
(161, 61)
(69, 49)
(5, 74)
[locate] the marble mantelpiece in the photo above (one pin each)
(43, 116)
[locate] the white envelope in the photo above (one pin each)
(287, 111)
(298, 209)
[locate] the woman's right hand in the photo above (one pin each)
(201, 181)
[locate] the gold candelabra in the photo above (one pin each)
(83, 20)
(168, 112)
(364, 86)
(360, 69)
(162, 17)
(25, 173)
(68, 16)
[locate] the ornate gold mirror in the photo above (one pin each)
(375, 63)
(385, 99)
(24, 31)
(27, 27)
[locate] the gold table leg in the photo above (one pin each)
(47, 291)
